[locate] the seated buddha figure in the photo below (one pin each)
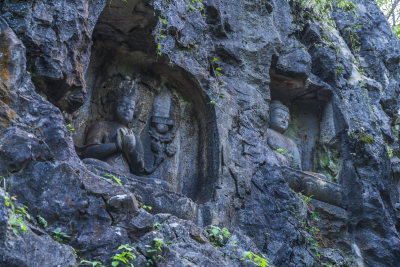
(113, 142)
(285, 149)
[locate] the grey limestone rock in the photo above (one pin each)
(205, 78)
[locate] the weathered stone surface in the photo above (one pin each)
(3, 216)
(58, 37)
(222, 172)
(34, 250)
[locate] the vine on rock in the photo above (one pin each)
(320, 10)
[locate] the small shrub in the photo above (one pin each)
(155, 251)
(16, 218)
(389, 151)
(113, 178)
(315, 247)
(249, 256)
(42, 221)
(361, 136)
(60, 236)
(157, 226)
(143, 206)
(306, 199)
(70, 128)
(124, 257)
(218, 237)
(315, 216)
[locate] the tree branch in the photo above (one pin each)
(393, 8)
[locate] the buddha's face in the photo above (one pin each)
(125, 110)
(279, 120)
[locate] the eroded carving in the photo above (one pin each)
(284, 148)
(287, 153)
(113, 141)
(161, 129)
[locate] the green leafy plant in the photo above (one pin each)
(113, 178)
(313, 229)
(70, 128)
(143, 206)
(16, 217)
(315, 247)
(315, 216)
(196, 4)
(306, 199)
(93, 263)
(125, 257)
(75, 251)
(42, 221)
(155, 251)
(284, 152)
(157, 226)
(249, 256)
(319, 10)
(361, 136)
(60, 236)
(217, 85)
(23, 211)
(389, 151)
(16, 222)
(339, 69)
(161, 33)
(218, 237)
(312, 232)
(147, 207)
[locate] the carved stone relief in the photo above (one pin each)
(288, 153)
(284, 148)
(112, 140)
(309, 146)
(161, 129)
(145, 127)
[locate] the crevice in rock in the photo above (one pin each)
(108, 212)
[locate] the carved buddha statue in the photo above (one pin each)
(284, 148)
(113, 142)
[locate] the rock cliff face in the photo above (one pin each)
(202, 77)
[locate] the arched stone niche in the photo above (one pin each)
(124, 55)
(313, 124)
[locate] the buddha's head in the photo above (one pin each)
(280, 116)
(124, 110)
